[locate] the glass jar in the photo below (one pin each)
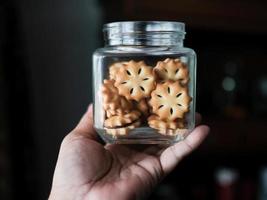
(144, 83)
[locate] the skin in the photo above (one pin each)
(87, 169)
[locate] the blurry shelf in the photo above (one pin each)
(236, 137)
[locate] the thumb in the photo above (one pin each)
(85, 127)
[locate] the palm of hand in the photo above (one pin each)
(88, 170)
(111, 172)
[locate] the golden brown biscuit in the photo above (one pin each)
(120, 111)
(110, 113)
(121, 120)
(155, 122)
(143, 106)
(113, 69)
(172, 132)
(173, 70)
(170, 100)
(112, 101)
(135, 80)
(123, 130)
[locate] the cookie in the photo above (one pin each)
(135, 80)
(110, 113)
(113, 69)
(112, 101)
(123, 130)
(143, 106)
(155, 122)
(121, 120)
(172, 132)
(173, 70)
(170, 100)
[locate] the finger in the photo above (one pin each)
(85, 127)
(198, 118)
(174, 154)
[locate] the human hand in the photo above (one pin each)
(88, 170)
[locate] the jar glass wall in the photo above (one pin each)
(144, 83)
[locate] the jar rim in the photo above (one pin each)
(145, 26)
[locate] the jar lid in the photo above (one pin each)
(145, 26)
(150, 33)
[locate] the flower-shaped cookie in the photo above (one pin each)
(135, 80)
(112, 100)
(173, 132)
(123, 130)
(173, 70)
(121, 120)
(114, 68)
(155, 122)
(170, 100)
(166, 127)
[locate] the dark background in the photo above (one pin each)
(45, 86)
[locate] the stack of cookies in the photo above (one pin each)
(170, 99)
(136, 93)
